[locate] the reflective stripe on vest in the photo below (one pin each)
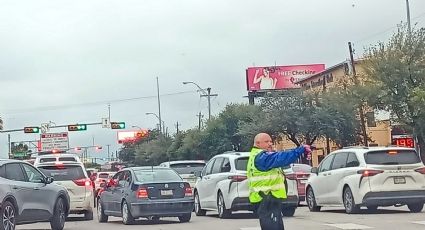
(267, 188)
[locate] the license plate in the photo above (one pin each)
(303, 181)
(399, 180)
(166, 192)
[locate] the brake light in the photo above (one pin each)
(142, 193)
(369, 172)
(237, 178)
(83, 182)
(188, 191)
(291, 176)
(421, 170)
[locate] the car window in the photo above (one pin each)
(150, 176)
(63, 172)
(68, 159)
(14, 172)
(3, 171)
(44, 160)
(208, 168)
(104, 175)
(340, 161)
(326, 163)
(226, 165)
(33, 175)
(187, 168)
(301, 168)
(352, 160)
(241, 163)
(125, 180)
(392, 157)
(217, 165)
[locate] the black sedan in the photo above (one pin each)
(149, 192)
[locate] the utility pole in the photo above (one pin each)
(199, 120)
(108, 150)
(10, 145)
(408, 16)
(109, 112)
(177, 127)
(159, 106)
(209, 95)
(361, 109)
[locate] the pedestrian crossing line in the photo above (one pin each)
(349, 226)
(419, 222)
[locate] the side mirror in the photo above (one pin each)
(112, 183)
(49, 180)
(315, 170)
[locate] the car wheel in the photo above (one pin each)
(288, 211)
(8, 214)
(88, 215)
(198, 209)
(223, 212)
(349, 204)
(101, 217)
(415, 207)
(311, 201)
(59, 215)
(127, 218)
(155, 219)
(185, 218)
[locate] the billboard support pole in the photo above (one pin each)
(251, 98)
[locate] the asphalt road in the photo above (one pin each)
(329, 219)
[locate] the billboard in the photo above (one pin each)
(279, 77)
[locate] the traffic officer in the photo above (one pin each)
(266, 180)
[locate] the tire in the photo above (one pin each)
(127, 218)
(8, 216)
(289, 212)
(185, 218)
(155, 219)
(59, 215)
(198, 209)
(311, 201)
(101, 217)
(415, 208)
(223, 212)
(349, 204)
(88, 215)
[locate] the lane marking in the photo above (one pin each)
(349, 226)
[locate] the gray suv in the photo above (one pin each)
(28, 196)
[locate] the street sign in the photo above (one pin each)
(45, 127)
(54, 141)
(106, 123)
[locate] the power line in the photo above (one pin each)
(56, 107)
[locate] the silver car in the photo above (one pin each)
(28, 196)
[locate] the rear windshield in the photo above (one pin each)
(63, 172)
(67, 159)
(302, 168)
(148, 176)
(392, 157)
(241, 163)
(44, 160)
(104, 175)
(187, 168)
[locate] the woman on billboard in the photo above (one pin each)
(266, 82)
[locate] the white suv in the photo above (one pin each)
(223, 187)
(52, 158)
(371, 177)
(72, 176)
(187, 169)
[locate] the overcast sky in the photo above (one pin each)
(63, 61)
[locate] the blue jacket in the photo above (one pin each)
(266, 161)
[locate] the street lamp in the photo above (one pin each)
(161, 123)
(135, 126)
(205, 94)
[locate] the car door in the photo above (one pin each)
(336, 176)
(118, 194)
(108, 195)
(216, 176)
(319, 181)
(21, 190)
(203, 184)
(41, 200)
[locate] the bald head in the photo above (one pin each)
(263, 141)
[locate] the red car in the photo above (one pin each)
(301, 175)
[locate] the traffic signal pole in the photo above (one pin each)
(56, 126)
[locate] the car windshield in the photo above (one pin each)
(392, 157)
(241, 163)
(104, 175)
(162, 175)
(63, 172)
(187, 168)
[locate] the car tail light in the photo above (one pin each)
(188, 190)
(291, 176)
(142, 193)
(237, 178)
(369, 172)
(83, 182)
(421, 170)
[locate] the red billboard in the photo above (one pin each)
(279, 77)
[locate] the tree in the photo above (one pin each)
(396, 69)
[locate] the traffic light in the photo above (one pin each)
(82, 127)
(98, 147)
(117, 125)
(142, 134)
(31, 130)
(77, 148)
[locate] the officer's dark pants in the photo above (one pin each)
(269, 211)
